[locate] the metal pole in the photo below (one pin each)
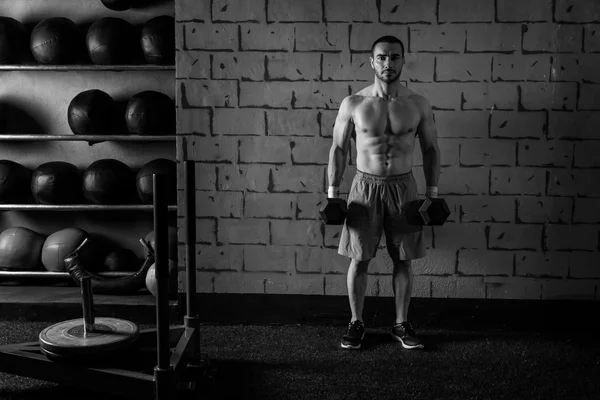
(163, 369)
(191, 319)
(190, 241)
(87, 304)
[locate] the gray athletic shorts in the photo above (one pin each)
(376, 204)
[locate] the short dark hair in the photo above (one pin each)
(387, 39)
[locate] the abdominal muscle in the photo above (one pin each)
(384, 155)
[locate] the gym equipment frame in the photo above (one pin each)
(175, 349)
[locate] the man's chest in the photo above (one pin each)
(378, 116)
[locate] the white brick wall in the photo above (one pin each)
(515, 97)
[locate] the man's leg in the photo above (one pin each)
(402, 280)
(404, 243)
(357, 287)
(402, 284)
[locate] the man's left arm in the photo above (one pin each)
(427, 133)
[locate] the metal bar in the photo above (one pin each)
(163, 370)
(48, 275)
(163, 383)
(161, 271)
(181, 353)
(114, 381)
(190, 240)
(90, 138)
(79, 207)
(87, 305)
(87, 67)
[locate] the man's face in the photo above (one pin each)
(387, 61)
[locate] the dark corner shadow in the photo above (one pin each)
(217, 382)
(17, 121)
(50, 390)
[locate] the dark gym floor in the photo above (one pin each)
(306, 362)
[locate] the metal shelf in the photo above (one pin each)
(86, 67)
(7, 275)
(90, 138)
(80, 207)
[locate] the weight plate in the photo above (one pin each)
(67, 339)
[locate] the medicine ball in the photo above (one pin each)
(152, 283)
(121, 260)
(13, 40)
(15, 181)
(150, 113)
(171, 241)
(144, 182)
(21, 249)
(59, 245)
(117, 5)
(56, 182)
(54, 41)
(158, 40)
(110, 41)
(92, 112)
(108, 181)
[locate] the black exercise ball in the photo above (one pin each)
(117, 5)
(158, 40)
(13, 40)
(121, 260)
(21, 249)
(110, 41)
(150, 113)
(108, 181)
(59, 245)
(92, 112)
(56, 182)
(15, 180)
(144, 181)
(54, 41)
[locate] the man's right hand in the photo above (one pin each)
(336, 209)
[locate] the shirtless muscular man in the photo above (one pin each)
(384, 118)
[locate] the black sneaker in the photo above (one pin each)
(405, 334)
(354, 337)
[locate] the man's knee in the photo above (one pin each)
(360, 265)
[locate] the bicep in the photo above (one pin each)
(343, 127)
(427, 130)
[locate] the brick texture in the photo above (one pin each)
(524, 11)
(466, 11)
(515, 91)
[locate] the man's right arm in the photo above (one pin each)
(338, 155)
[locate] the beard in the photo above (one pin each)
(387, 78)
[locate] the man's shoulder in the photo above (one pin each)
(351, 101)
(419, 100)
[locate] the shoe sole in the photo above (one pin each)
(350, 347)
(406, 346)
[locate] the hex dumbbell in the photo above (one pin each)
(334, 212)
(428, 211)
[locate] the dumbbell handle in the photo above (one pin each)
(88, 305)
